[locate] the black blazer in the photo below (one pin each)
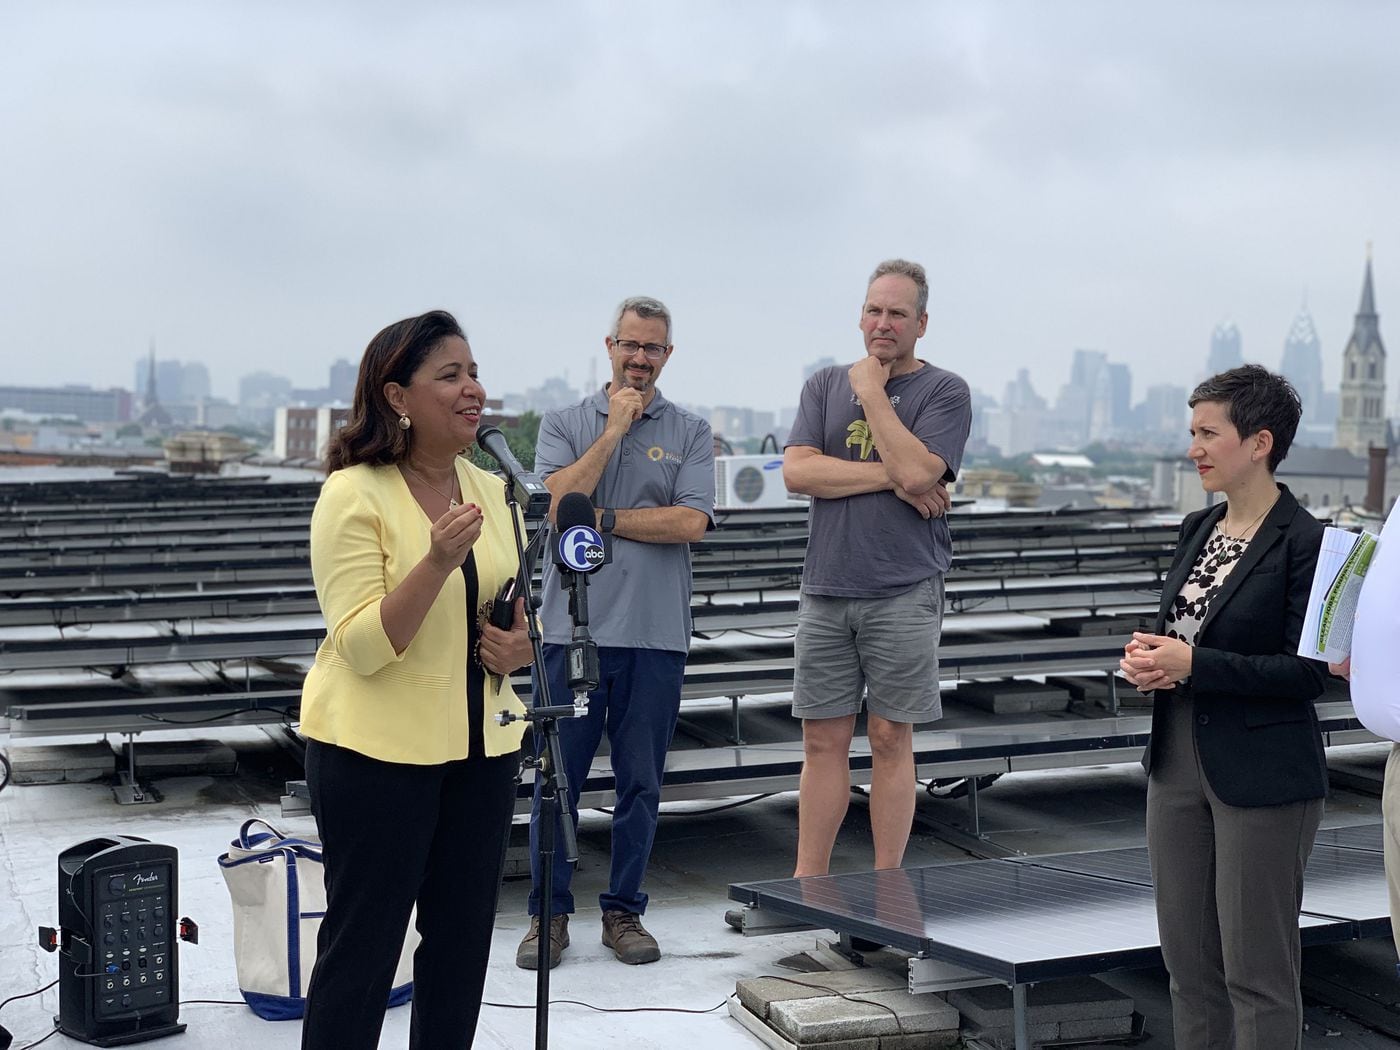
(1255, 725)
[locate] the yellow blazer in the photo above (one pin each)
(367, 533)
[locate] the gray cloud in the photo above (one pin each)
(264, 186)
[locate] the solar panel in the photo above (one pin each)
(1040, 918)
(1014, 922)
(1339, 884)
(1360, 836)
(1348, 884)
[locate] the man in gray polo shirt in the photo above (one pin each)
(873, 444)
(648, 466)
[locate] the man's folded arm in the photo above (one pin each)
(808, 471)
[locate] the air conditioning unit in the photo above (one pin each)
(750, 481)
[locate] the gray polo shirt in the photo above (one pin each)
(641, 599)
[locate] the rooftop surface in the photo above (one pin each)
(701, 848)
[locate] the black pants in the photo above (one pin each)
(394, 835)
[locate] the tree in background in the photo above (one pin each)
(520, 436)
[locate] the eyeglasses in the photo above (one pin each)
(628, 347)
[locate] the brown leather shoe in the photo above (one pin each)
(527, 956)
(624, 933)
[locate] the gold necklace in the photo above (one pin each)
(451, 499)
(1250, 526)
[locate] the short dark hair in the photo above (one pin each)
(1255, 399)
(371, 434)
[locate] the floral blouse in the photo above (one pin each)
(1213, 565)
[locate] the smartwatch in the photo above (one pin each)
(609, 519)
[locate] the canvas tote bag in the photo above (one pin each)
(277, 884)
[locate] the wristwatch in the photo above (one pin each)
(608, 520)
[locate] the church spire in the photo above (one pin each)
(1368, 294)
(1362, 418)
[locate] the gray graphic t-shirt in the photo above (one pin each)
(876, 545)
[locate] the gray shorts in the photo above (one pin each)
(886, 648)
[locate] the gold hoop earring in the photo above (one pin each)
(405, 422)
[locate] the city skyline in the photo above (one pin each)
(264, 190)
(315, 372)
(336, 377)
(1097, 404)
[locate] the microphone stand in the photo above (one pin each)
(550, 775)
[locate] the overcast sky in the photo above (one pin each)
(265, 185)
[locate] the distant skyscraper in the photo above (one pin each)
(1302, 364)
(152, 389)
(816, 366)
(342, 384)
(1117, 397)
(1361, 417)
(1225, 352)
(194, 382)
(1016, 426)
(259, 396)
(554, 392)
(1163, 411)
(1020, 396)
(1094, 402)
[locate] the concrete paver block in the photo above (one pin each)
(822, 1020)
(164, 758)
(921, 1040)
(1050, 1002)
(827, 1018)
(65, 763)
(775, 1040)
(1013, 697)
(1006, 1037)
(757, 994)
(1097, 1028)
(917, 1013)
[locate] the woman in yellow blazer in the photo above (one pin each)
(412, 781)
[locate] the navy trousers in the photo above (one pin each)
(636, 703)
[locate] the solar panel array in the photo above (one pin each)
(153, 600)
(1037, 918)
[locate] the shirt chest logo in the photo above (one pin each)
(657, 454)
(858, 434)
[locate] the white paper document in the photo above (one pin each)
(1341, 570)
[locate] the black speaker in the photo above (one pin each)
(118, 975)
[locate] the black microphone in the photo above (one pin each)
(578, 552)
(526, 487)
(580, 546)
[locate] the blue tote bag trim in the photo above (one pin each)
(275, 1007)
(292, 1008)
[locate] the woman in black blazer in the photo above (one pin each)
(1236, 773)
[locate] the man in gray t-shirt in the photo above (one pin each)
(874, 445)
(648, 465)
